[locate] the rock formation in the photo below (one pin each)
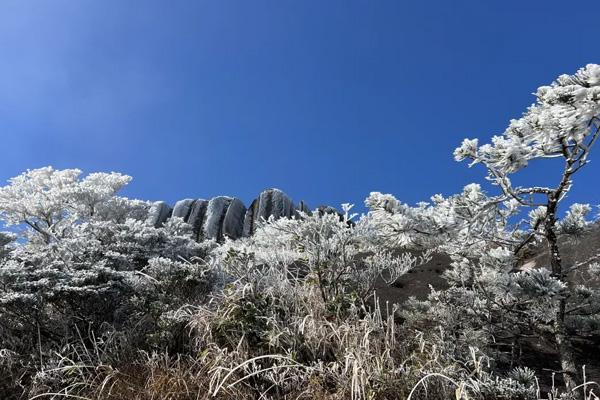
(159, 212)
(270, 203)
(182, 208)
(197, 216)
(215, 214)
(233, 222)
(225, 216)
(303, 207)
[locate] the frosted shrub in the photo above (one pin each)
(88, 264)
(297, 290)
(327, 250)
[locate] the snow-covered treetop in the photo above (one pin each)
(463, 222)
(562, 123)
(47, 200)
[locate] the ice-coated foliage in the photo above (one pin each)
(575, 223)
(562, 123)
(557, 123)
(88, 262)
(335, 253)
(6, 239)
(294, 313)
(49, 201)
(110, 298)
(467, 223)
(486, 244)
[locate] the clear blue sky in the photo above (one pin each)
(327, 100)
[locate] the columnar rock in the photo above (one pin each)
(302, 207)
(215, 219)
(215, 214)
(159, 212)
(270, 203)
(249, 220)
(197, 217)
(275, 203)
(225, 216)
(233, 223)
(182, 208)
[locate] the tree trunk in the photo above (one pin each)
(566, 352)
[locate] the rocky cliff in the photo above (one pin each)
(225, 216)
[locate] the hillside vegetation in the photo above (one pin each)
(485, 294)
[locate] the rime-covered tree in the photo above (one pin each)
(486, 240)
(87, 259)
(48, 202)
(564, 123)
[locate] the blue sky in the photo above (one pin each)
(325, 100)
